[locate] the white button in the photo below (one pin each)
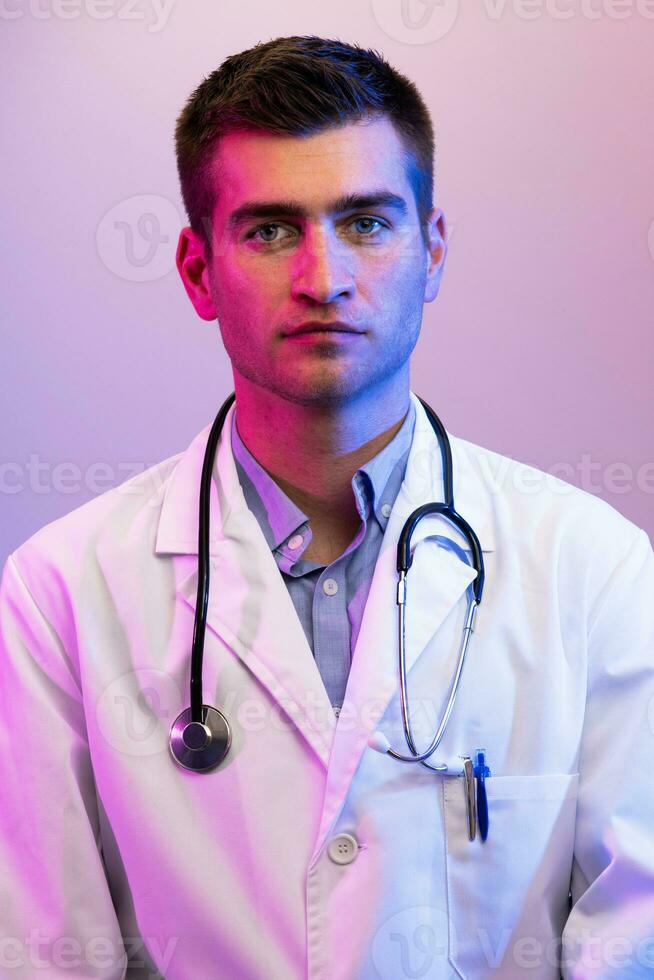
(386, 510)
(295, 542)
(343, 849)
(330, 586)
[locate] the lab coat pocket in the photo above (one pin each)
(508, 895)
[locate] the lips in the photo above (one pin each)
(336, 326)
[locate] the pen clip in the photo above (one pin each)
(469, 790)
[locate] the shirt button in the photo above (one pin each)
(386, 510)
(295, 542)
(330, 586)
(343, 849)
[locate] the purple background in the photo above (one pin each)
(540, 345)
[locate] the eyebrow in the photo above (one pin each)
(348, 202)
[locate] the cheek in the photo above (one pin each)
(254, 284)
(241, 288)
(402, 265)
(398, 280)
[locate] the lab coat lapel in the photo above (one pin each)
(249, 607)
(436, 582)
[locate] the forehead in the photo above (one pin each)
(350, 158)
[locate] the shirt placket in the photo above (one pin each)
(331, 623)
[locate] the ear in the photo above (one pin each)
(194, 271)
(436, 252)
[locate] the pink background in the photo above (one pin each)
(540, 345)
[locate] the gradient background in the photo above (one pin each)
(540, 345)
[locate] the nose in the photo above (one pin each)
(321, 269)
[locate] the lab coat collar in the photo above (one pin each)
(177, 531)
(250, 609)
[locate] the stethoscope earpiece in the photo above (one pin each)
(200, 745)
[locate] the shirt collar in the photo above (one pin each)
(375, 485)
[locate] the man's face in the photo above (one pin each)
(293, 245)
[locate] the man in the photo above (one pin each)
(306, 169)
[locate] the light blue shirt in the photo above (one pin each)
(329, 599)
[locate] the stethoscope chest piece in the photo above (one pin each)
(200, 746)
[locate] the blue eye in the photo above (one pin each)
(264, 228)
(374, 220)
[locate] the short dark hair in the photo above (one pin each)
(298, 86)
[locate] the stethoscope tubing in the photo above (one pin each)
(202, 599)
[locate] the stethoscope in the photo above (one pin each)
(201, 737)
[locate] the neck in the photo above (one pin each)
(313, 451)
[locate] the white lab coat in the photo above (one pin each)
(227, 875)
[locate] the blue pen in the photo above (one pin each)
(481, 771)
